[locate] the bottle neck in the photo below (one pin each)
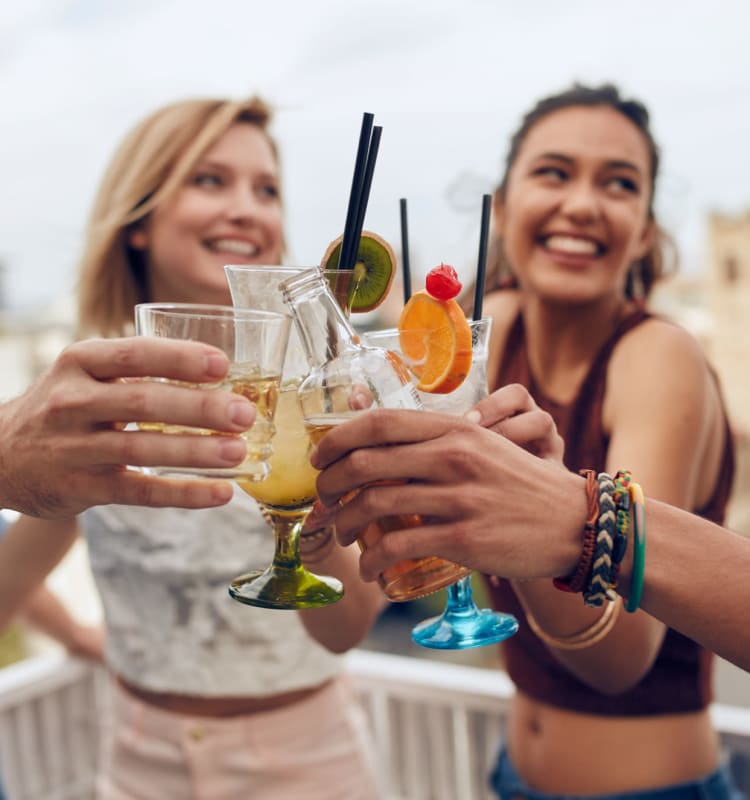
(323, 328)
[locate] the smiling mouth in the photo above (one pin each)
(572, 245)
(235, 247)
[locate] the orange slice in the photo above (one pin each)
(435, 339)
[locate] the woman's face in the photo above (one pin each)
(575, 214)
(227, 212)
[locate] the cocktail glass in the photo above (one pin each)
(286, 496)
(462, 624)
(255, 344)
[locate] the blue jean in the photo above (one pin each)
(509, 785)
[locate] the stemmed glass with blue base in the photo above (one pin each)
(462, 624)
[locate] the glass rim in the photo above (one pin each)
(210, 311)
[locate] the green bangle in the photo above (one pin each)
(639, 549)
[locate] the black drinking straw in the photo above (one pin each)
(346, 257)
(406, 268)
(482, 260)
(372, 157)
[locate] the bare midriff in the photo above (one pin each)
(218, 706)
(564, 752)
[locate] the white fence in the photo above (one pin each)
(436, 725)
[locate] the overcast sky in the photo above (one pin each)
(447, 80)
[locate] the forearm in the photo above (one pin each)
(343, 625)
(28, 553)
(622, 646)
(696, 580)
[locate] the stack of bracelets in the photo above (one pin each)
(615, 505)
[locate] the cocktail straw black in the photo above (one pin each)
(405, 266)
(482, 259)
(364, 166)
(372, 156)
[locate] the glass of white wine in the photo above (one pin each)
(255, 343)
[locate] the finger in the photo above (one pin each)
(532, 426)
(152, 448)
(129, 487)
(150, 401)
(139, 356)
(506, 401)
(379, 501)
(399, 545)
(381, 427)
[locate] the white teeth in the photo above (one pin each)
(235, 246)
(571, 244)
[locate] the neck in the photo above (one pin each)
(562, 341)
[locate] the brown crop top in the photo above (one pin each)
(680, 678)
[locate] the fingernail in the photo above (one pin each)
(242, 413)
(232, 450)
(473, 416)
(314, 457)
(215, 365)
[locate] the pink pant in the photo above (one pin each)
(316, 749)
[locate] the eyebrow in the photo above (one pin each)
(204, 163)
(614, 164)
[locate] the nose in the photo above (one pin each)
(243, 205)
(581, 202)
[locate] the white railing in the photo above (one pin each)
(436, 726)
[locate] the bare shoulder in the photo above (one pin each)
(660, 365)
(658, 344)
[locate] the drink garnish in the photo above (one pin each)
(373, 272)
(434, 334)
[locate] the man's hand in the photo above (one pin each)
(63, 446)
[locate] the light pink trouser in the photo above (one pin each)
(316, 749)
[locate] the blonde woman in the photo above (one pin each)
(210, 698)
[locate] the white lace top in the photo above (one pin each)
(171, 625)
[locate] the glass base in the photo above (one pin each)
(277, 587)
(464, 629)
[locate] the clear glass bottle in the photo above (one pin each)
(347, 378)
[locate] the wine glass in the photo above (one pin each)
(462, 624)
(255, 344)
(286, 496)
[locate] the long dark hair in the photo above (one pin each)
(660, 260)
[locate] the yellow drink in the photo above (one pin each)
(291, 484)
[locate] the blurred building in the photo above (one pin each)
(728, 295)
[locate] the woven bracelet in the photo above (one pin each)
(575, 582)
(599, 588)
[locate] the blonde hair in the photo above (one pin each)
(147, 169)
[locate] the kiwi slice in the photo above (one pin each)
(371, 277)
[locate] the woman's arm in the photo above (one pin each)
(343, 625)
(29, 551)
(659, 409)
(45, 612)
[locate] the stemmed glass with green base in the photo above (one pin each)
(286, 496)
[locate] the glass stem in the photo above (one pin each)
(460, 594)
(286, 531)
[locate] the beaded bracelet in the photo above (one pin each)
(639, 548)
(576, 581)
(588, 637)
(315, 545)
(599, 588)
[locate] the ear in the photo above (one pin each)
(648, 239)
(137, 237)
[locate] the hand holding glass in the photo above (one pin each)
(255, 344)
